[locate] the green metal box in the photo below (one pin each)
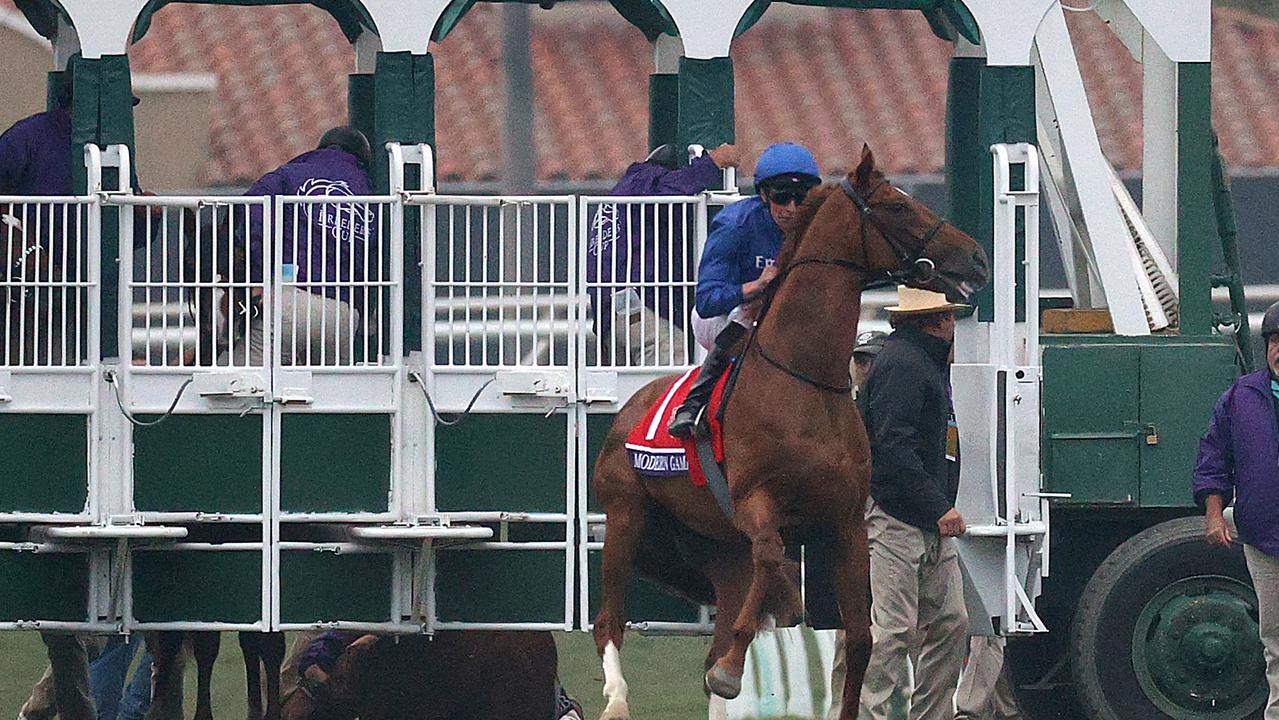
(1122, 416)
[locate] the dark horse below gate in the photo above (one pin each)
(797, 456)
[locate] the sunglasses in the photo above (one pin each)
(788, 196)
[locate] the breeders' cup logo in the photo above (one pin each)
(603, 229)
(347, 222)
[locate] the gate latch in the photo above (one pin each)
(228, 384)
(535, 383)
(1151, 434)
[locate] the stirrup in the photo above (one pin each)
(689, 430)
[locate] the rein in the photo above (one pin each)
(916, 261)
(759, 347)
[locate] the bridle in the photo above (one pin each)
(919, 269)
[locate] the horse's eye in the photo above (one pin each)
(899, 208)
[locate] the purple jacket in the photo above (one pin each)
(642, 245)
(35, 155)
(1239, 459)
(327, 243)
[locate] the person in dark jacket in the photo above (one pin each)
(35, 160)
(917, 615)
(328, 251)
(1239, 461)
(637, 251)
(737, 265)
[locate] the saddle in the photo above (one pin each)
(656, 453)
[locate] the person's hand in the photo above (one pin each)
(754, 288)
(952, 524)
(1218, 530)
(725, 155)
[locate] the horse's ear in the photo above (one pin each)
(865, 168)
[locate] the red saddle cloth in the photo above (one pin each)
(655, 452)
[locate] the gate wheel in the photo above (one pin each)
(1167, 627)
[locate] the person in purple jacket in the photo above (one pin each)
(329, 252)
(1239, 460)
(638, 257)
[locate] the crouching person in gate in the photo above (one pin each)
(328, 251)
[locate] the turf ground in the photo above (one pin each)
(663, 673)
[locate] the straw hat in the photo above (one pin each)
(913, 301)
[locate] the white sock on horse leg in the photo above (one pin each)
(615, 688)
(718, 709)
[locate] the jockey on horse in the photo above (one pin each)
(737, 265)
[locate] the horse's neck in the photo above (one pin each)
(811, 326)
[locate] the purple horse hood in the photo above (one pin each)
(1239, 459)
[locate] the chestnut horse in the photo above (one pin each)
(797, 458)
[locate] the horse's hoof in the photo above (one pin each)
(616, 711)
(723, 683)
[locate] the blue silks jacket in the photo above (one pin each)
(1239, 459)
(743, 241)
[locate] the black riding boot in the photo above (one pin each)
(688, 418)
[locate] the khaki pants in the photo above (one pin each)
(1265, 578)
(649, 339)
(985, 691)
(918, 621)
(314, 330)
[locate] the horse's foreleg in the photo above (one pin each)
(756, 517)
(852, 589)
(272, 658)
(625, 524)
(251, 649)
(204, 645)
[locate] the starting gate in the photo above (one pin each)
(250, 439)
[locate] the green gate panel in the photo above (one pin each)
(705, 104)
(335, 463)
(308, 592)
(502, 462)
(202, 463)
(44, 586)
(597, 427)
(46, 463)
(1090, 420)
(490, 586)
(1180, 385)
(645, 599)
(197, 586)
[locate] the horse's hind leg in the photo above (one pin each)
(250, 648)
(205, 646)
(852, 589)
(756, 516)
(626, 519)
(166, 675)
(272, 651)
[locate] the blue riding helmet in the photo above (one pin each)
(787, 159)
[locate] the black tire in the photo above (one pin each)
(1184, 595)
